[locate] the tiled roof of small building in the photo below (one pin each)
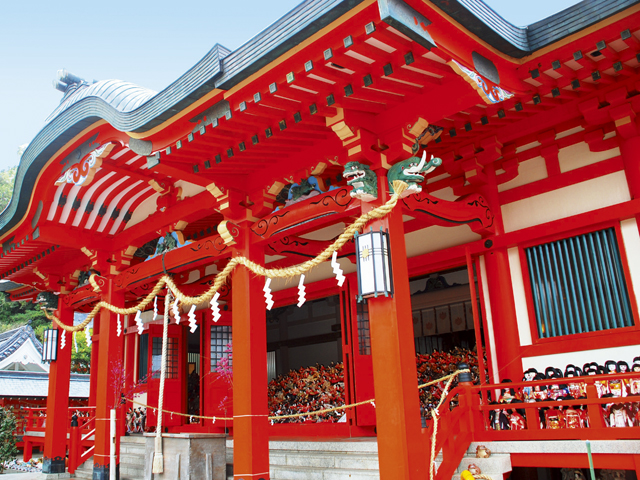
(36, 384)
(12, 340)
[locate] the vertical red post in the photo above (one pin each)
(401, 447)
(249, 325)
(630, 154)
(93, 369)
(110, 351)
(55, 438)
(503, 311)
(500, 290)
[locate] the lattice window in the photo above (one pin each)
(220, 339)
(172, 357)
(578, 285)
(364, 335)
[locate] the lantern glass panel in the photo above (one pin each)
(374, 265)
(50, 347)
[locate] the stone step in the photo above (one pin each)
(496, 465)
(324, 460)
(135, 438)
(132, 460)
(303, 473)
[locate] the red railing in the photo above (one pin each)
(455, 430)
(587, 417)
(80, 438)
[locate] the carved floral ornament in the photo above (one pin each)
(82, 173)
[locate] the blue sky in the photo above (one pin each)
(150, 43)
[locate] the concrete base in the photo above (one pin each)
(54, 476)
(188, 456)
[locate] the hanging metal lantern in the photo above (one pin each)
(50, 346)
(374, 264)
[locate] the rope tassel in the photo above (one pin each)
(139, 323)
(176, 311)
(87, 335)
(268, 298)
(215, 307)
(302, 293)
(336, 269)
(192, 319)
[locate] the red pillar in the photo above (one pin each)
(500, 290)
(110, 351)
(630, 153)
(93, 369)
(503, 312)
(401, 447)
(249, 325)
(55, 440)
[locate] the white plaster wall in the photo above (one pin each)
(579, 155)
(631, 241)
(27, 353)
(436, 237)
(564, 202)
(519, 296)
(146, 208)
(487, 307)
(561, 360)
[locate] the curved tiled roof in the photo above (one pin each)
(121, 96)
(519, 42)
(133, 109)
(36, 384)
(12, 340)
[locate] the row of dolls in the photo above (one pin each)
(437, 365)
(615, 387)
(615, 415)
(136, 420)
(306, 390)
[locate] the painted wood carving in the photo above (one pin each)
(83, 172)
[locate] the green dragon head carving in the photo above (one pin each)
(412, 171)
(363, 181)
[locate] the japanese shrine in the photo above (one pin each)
(347, 235)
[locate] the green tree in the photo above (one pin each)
(8, 450)
(16, 314)
(81, 360)
(7, 179)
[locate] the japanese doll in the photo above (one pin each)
(619, 416)
(554, 419)
(634, 383)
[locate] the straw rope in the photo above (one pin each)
(158, 458)
(287, 272)
(434, 415)
(449, 377)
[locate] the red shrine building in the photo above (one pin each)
(515, 247)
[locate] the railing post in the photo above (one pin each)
(465, 400)
(74, 444)
(594, 410)
(27, 450)
(533, 417)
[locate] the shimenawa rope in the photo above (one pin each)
(287, 272)
(158, 459)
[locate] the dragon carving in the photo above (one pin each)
(363, 181)
(412, 171)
